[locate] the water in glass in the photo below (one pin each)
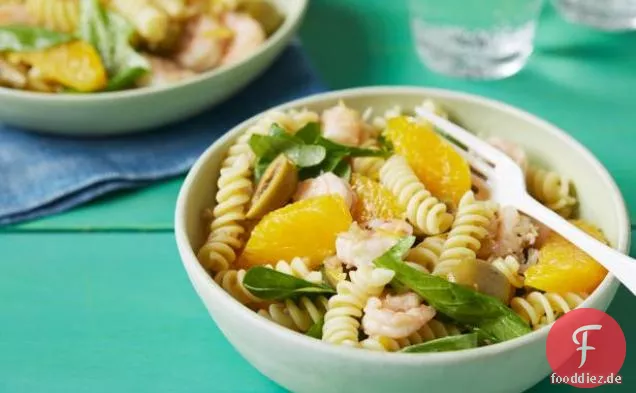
(483, 39)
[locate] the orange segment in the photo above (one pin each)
(373, 201)
(442, 170)
(562, 267)
(307, 228)
(75, 64)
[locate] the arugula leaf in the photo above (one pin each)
(306, 155)
(311, 152)
(461, 303)
(350, 150)
(270, 284)
(128, 64)
(110, 34)
(93, 28)
(343, 170)
(445, 344)
(309, 133)
(315, 330)
(29, 39)
(385, 144)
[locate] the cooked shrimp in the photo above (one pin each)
(510, 234)
(202, 45)
(15, 14)
(343, 125)
(325, 184)
(395, 316)
(358, 247)
(248, 35)
(163, 72)
(513, 151)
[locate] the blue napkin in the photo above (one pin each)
(42, 175)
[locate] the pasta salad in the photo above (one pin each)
(87, 46)
(370, 231)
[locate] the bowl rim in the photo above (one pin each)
(197, 273)
(294, 14)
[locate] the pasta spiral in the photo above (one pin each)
(431, 331)
(509, 267)
(368, 166)
(345, 308)
(298, 268)
(296, 315)
(540, 309)
(232, 280)
(235, 190)
(58, 15)
(427, 252)
(226, 229)
(425, 212)
(551, 189)
(469, 229)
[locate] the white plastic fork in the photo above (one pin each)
(508, 188)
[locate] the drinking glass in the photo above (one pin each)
(479, 39)
(611, 15)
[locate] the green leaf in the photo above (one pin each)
(461, 303)
(306, 155)
(30, 39)
(270, 284)
(349, 150)
(315, 330)
(110, 34)
(343, 170)
(128, 65)
(385, 144)
(309, 133)
(93, 28)
(445, 344)
(261, 145)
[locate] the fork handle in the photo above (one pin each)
(619, 264)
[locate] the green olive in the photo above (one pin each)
(264, 12)
(275, 189)
(482, 277)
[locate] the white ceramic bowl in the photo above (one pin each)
(145, 108)
(302, 364)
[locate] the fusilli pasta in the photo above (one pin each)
(509, 267)
(469, 229)
(540, 309)
(368, 166)
(345, 308)
(232, 282)
(59, 15)
(425, 212)
(551, 189)
(298, 267)
(226, 229)
(431, 331)
(427, 252)
(296, 315)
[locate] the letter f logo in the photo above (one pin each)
(583, 344)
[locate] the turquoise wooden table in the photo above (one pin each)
(95, 300)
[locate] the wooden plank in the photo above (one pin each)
(115, 312)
